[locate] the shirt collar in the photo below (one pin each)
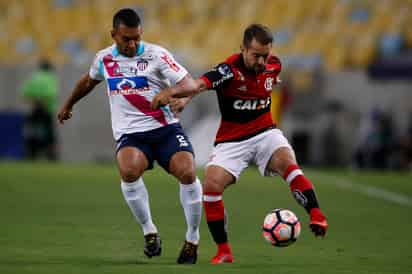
(139, 50)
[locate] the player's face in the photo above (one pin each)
(127, 39)
(256, 55)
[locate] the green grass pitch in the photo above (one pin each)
(73, 219)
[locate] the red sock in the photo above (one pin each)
(214, 207)
(224, 248)
(301, 187)
(215, 216)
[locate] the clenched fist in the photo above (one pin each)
(64, 114)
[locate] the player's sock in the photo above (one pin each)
(301, 187)
(224, 248)
(215, 217)
(191, 200)
(302, 190)
(137, 198)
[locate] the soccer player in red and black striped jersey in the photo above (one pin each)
(247, 133)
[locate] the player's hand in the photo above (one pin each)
(177, 104)
(318, 223)
(161, 99)
(64, 114)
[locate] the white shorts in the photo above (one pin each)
(237, 156)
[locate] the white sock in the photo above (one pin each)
(191, 200)
(137, 198)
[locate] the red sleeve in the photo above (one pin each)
(274, 63)
(207, 82)
(218, 76)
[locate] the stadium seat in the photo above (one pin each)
(311, 29)
(336, 58)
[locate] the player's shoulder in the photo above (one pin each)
(274, 63)
(228, 65)
(110, 50)
(233, 59)
(155, 49)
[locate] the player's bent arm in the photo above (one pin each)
(188, 87)
(193, 87)
(83, 87)
(185, 88)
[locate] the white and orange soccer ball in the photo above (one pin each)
(281, 227)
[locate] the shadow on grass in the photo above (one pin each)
(80, 261)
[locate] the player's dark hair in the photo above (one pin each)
(261, 33)
(127, 17)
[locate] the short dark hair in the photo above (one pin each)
(127, 17)
(45, 65)
(261, 33)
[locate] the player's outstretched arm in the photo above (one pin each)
(178, 104)
(83, 87)
(187, 87)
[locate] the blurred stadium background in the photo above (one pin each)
(345, 100)
(346, 79)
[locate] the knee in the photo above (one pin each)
(183, 169)
(281, 160)
(186, 175)
(212, 184)
(130, 174)
(283, 164)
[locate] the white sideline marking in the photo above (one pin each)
(371, 191)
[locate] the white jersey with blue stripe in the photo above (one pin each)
(132, 83)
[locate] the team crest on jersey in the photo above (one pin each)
(142, 65)
(269, 84)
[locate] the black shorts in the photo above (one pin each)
(159, 144)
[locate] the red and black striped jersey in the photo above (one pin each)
(243, 96)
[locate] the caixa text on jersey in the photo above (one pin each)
(249, 104)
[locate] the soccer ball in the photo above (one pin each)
(281, 227)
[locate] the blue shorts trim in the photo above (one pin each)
(159, 144)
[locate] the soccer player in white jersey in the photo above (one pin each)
(134, 71)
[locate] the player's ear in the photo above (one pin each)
(113, 33)
(242, 48)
